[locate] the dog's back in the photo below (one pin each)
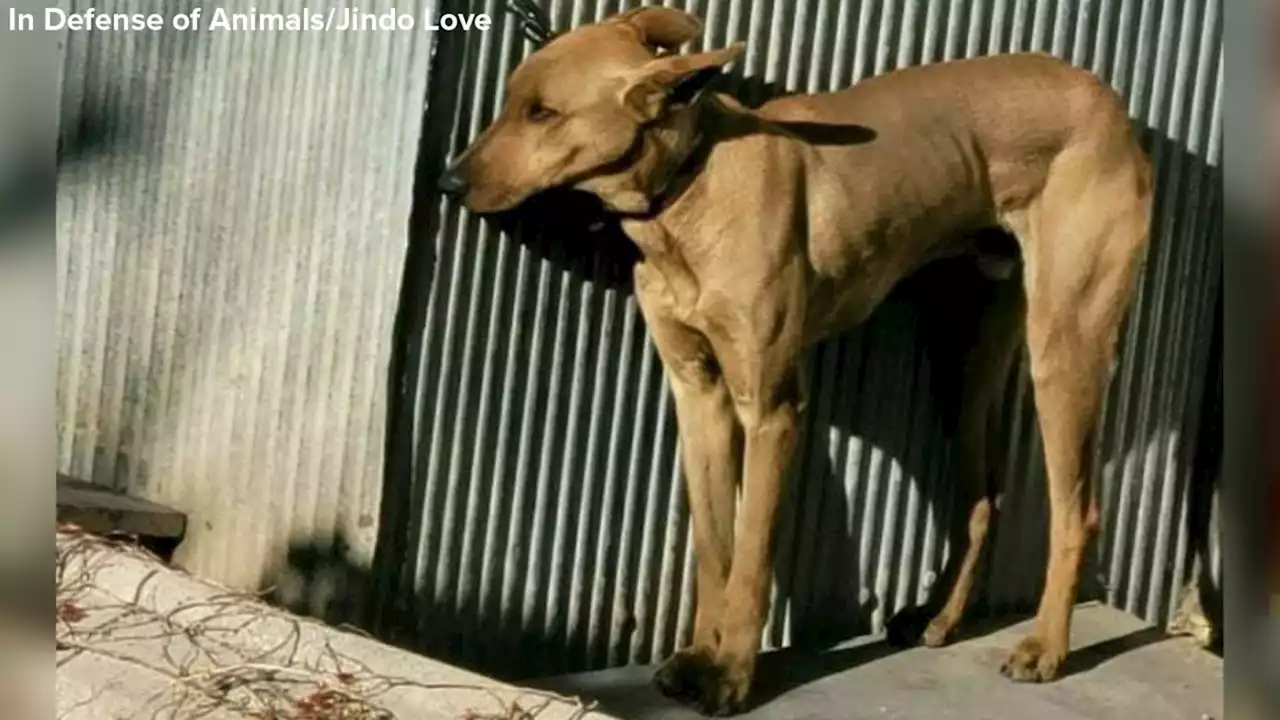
(1010, 104)
(955, 146)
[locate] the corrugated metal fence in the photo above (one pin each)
(228, 275)
(227, 301)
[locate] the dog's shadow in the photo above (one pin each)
(832, 555)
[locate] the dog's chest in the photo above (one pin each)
(664, 277)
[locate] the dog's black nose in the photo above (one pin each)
(452, 181)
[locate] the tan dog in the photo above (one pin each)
(765, 231)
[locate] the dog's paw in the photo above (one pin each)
(938, 632)
(683, 675)
(1032, 661)
(907, 627)
(692, 677)
(913, 626)
(728, 694)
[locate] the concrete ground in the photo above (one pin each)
(1122, 670)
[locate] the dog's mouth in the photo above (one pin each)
(495, 201)
(490, 198)
(458, 182)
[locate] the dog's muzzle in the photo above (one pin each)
(452, 181)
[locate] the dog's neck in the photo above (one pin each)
(662, 172)
(667, 153)
(679, 153)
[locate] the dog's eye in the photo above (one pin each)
(540, 113)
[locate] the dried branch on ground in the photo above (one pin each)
(290, 671)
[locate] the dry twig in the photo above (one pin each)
(207, 671)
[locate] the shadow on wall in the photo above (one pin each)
(323, 581)
(113, 120)
(1150, 500)
(96, 123)
(822, 586)
(1200, 604)
(823, 574)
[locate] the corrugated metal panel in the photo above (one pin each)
(1153, 422)
(547, 529)
(227, 281)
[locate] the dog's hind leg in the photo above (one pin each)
(987, 369)
(1083, 240)
(986, 365)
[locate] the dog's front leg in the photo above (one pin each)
(709, 438)
(769, 407)
(710, 441)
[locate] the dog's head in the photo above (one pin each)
(595, 109)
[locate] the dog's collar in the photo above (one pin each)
(677, 180)
(682, 168)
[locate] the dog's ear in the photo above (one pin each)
(661, 27)
(648, 94)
